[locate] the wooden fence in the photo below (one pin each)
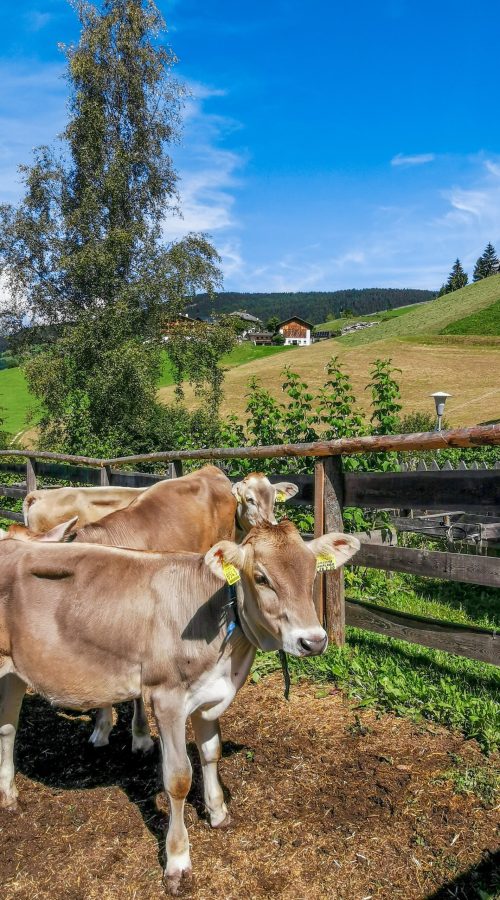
(331, 490)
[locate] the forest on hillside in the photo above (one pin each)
(315, 306)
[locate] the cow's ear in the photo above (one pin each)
(225, 556)
(236, 490)
(333, 550)
(285, 490)
(60, 533)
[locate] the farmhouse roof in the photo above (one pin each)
(296, 319)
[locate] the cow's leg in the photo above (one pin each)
(209, 745)
(141, 738)
(12, 691)
(168, 710)
(102, 727)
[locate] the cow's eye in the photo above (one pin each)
(250, 501)
(261, 579)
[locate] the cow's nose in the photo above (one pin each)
(313, 646)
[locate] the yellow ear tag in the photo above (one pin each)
(231, 572)
(280, 496)
(325, 562)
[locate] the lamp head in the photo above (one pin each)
(440, 398)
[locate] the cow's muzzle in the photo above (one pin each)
(313, 645)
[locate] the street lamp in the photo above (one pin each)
(440, 398)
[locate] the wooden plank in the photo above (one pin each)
(13, 490)
(134, 479)
(13, 516)
(31, 469)
(474, 643)
(81, 474)
(456, 490)
(334, 593)
(319, 520)
(465, 567)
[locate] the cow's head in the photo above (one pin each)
(60, 533)
(256, 497)
(277, 570)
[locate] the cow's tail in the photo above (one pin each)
(28, 502)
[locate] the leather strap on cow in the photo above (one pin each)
(286, 673)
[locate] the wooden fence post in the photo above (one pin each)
(105, 476)
(30, 475)
(175, 469)
(332, 521)
(319, 522)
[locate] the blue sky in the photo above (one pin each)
(326, 145)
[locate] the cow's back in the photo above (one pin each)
(188, 513)
(45, 508)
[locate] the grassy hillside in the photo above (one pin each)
(486, 321)
(470, 373)
(16, 401)
(451, 343)
(240, 355)
(435, 317)
(384, 316)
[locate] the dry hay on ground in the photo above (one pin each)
(470, 373)
(326, 802)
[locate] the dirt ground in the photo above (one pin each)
(326, 802)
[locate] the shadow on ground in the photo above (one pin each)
(52, 748)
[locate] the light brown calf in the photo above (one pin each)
(45, 508)
(188, 513)
(88, 625)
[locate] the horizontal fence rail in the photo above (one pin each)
(331, 490)
(478, 436)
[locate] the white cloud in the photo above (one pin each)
(418, 159)
(209, 174)
(37, 20)
(493, 168)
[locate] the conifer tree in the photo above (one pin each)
(457, 278)
(487, 264)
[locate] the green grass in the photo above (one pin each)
(15, 400)
(239, 356)
(407, 679)
(482, 781)
(486, 321)
(384, 316)
(434, 317)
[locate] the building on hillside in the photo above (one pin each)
(261, 338)
(296, 332)
(251, 323)
(180, 321)
(324, 335)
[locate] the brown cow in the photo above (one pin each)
(47, 507)
(188, 513)
(88, 625)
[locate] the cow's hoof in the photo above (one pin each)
(98, 739)
(176, 879)
(142, 743)
(8, 803)
(221, 821)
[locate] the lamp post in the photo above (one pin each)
(440, 398)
